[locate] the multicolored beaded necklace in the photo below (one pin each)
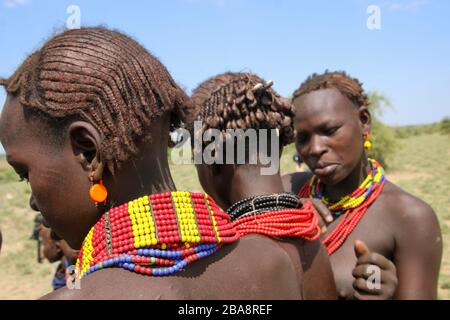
(160, 234)
(352, 206)
(156, 235)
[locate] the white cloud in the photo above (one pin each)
(15, 3)
(408, 5)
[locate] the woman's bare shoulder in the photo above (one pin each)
(254, 267)
(404, 203)
(412, 214)
(116, 284)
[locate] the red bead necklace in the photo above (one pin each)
(352, 207)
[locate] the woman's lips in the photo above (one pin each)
(326, 170)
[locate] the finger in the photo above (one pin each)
(367, 292)
(365, 286)
(361, 250)
(362, 296)
(324, 212)
(376, 259)
(364, 270)
(367, 272)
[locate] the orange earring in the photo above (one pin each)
(98, 192)
(367, 143)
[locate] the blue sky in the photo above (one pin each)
(408, 59)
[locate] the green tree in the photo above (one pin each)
(383, 137)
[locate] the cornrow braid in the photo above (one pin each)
(230, 101)
(348, 86)
(103, 77)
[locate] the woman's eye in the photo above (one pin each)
(302, 138)
(330, 131)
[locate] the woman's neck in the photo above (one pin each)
(350, 183)
(140, 177)
(247, 181)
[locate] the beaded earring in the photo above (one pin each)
(367, 143)
(97, 192)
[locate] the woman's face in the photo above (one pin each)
(58, 181)
(330, 133)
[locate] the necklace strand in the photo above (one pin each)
(352, 207)
(160, 234)
(280, 214)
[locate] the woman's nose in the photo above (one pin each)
(316, 147)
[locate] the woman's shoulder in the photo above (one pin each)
(117, 284)
(404, 202)
(255, 267)
(410, 212)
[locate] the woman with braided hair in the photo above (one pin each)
(254, 200)
(383, 242)
(86, 122)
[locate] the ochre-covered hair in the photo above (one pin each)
(243, 101)
(103, 77)
(348, 86)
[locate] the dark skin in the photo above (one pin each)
(69, 254)
(52, 252)
(59, 179)
(399, 233)
(231, 183)
(55, 250)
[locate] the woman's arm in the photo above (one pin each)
(418, 250)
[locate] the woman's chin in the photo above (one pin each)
(330, 178)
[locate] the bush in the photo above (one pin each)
(382, 136)
(411, 131)
(445, 126)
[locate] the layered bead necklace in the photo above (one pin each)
(156, 235)
(352, 207)
(160, 234)
(276, 215)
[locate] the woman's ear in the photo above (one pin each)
(365, 118)
(85, 141)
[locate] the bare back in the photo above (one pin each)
(255, 267)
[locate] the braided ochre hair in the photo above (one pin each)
(243, 101)
(103, 77)
(348, 86)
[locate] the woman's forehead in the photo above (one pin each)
(10, 119)
(323, 104)
(14, 129)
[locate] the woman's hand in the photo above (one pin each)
(375, 275)
(324, 215)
